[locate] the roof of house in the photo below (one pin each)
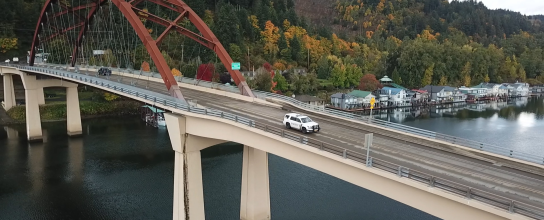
(359, 93)
(398, 86)
(386, 79)
(394, 91)
(433, 89)
(420, 91)
(339, 95)
(307, 98)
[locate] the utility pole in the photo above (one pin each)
(182, 46)
(308, 59)
(248, 63)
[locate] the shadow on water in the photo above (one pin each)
(121, 169)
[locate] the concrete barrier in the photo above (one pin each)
(203, 89)
(513, 163)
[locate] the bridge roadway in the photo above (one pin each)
(517, 185)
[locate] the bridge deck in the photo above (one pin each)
(517, 185)
(511, 183)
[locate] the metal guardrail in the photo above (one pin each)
(539, 159)
(402, 172)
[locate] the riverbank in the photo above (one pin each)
(57, 111)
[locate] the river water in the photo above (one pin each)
(122, 169)
(516, 124)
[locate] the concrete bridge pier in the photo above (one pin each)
(9, 91)
(34, 97)
(188, 189)
(255, 199)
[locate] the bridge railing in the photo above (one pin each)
(539, 159)
(402, 172)
(535, 158)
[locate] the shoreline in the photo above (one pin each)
(17, 122)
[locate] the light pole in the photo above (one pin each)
(368, 144)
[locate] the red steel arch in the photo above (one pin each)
(132, 14)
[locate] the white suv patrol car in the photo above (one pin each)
(300, 122)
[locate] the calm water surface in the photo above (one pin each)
(517, 124)
(121, 169)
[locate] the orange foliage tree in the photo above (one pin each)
(369, 83)
(145, 66)
(176, 72)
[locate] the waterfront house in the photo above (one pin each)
(474, 93)
(520, 89)
(492, 89)
(343, 101)
(363, 97)
(444, 94)
(386, 81)
(395, 96)
(418, 96)
(312, 100)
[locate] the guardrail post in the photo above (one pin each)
(322, 146)
(369, 162)
(512, 206)
(164, 102)
(266, 128)
(399, 172)
(282, 133)
(431, 181)
(469, 193)
(250, 123)
(511, 153)
(236, 118)
(345, 154)
(222, 116)
(301, 140)
(205, 110)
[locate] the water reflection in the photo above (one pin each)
(515, 124)
(511, 110)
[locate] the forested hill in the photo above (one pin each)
(416, 42)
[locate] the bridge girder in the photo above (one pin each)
(132, 14)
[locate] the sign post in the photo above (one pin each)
(372, 101)
(235, 66)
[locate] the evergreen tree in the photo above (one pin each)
(227, 25)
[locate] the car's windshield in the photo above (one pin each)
(305, 120)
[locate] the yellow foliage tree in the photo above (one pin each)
(145, 66)
(110, 97)
(270, 36)
(293, 31)
(176, 72)
(286, 24)
(144, 15)
(7, 44)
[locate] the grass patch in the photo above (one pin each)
(57, 111)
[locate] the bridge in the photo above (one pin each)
(448, 177)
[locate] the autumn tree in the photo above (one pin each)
(270, 37)
(369, 83)
(7, 44)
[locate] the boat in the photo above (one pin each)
(152, 116)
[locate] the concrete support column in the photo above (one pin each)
(41, 96)
(9, 91)
(33, 120)
(255, 199)
(73, 114)
(188, 189)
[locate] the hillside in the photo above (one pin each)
(415, 42)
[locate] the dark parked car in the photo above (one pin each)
(104, 71)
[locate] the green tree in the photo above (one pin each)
(281, 82)
(428, 77)
(396, 77)
(227, 28)
(465, 74)
(338, 76)
(236, 53)
(296, 49)
(263, 80)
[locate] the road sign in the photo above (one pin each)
(372, 101)
(235, 66)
